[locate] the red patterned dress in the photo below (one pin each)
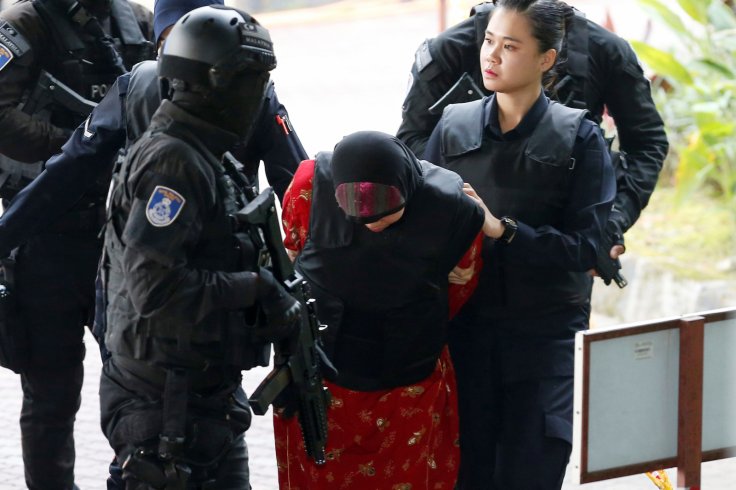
(405, 438)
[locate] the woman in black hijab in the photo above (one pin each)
(377, 232)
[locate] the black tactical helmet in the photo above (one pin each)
(210, 45)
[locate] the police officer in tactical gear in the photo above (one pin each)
(544, 172)
(84, 46)
(598, 71)
(57, 58)
(87, 158)
(119, 119)
(179, 276)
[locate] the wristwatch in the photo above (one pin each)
(509, 229)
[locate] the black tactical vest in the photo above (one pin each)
(159, 342)
(78, 61)
(382, 295)
(527, 179)
(74, 59)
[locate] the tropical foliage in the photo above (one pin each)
(695, 90)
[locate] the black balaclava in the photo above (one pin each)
(374, 175)
(234, 108)
(98, 8)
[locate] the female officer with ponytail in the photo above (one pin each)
(544, 174)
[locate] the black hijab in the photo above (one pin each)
(374, 175)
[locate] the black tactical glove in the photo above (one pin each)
(614, 229)
(284, 313)
(607, 268)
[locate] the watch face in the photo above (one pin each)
(509, 229)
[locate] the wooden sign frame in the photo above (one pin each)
(689, 398)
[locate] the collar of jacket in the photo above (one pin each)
(175, 120)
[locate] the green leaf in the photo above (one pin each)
(697, 9)
(711, 108)
(713, 65)
(660, 11)
(663, 63)
(716, 135)
(726, 39)
(694, 166)
(721, 16)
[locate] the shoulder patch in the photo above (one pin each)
(423, 56)
(12, 40)
(164, 206)
(6, 57)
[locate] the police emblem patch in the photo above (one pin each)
(164, 206)
(5, 56)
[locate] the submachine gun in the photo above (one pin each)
(296, 374)
(49, 90)
(607, 268)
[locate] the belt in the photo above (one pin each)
(199, 380)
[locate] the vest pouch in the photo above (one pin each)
(14, 341)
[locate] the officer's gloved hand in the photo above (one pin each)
(614, 233)
(283, 311)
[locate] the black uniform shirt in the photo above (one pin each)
(591, 193)
(533, 344)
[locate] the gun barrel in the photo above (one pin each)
(313, 421)
(49, 89)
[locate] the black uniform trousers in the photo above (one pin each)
(132, 412)
(515, 429)
(231, 473)
(54, 280)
